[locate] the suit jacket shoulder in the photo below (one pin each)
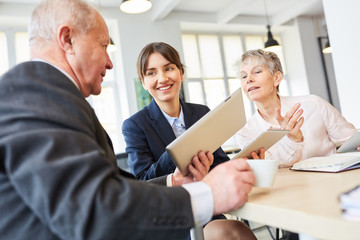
(59, 178)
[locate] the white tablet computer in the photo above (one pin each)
(210, 132)
(265, 140)
(351, 144)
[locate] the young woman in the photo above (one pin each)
(315, 126)
(148, 132)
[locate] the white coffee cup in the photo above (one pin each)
(264, 171)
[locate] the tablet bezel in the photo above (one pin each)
(210, 132)
(266, 140)
(351, 144)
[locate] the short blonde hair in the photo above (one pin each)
(268, 59)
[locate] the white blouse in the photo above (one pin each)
(323, 128)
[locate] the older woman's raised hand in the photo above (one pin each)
(292, 121)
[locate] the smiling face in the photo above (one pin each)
(257, 82)
(90, 58)
(162, 79)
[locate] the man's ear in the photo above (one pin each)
(65, 38)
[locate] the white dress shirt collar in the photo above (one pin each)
(172, 119)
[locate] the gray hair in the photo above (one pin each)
(268, 59)
(49, 14)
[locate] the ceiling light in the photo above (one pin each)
(135, 6)
(271, 44)
(327, 48)
(111, 48)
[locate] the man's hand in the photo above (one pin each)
(230, 183)
(292, 121)
(198, 169)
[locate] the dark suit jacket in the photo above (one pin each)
(58, 174)
(147, 133)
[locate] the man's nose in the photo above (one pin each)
(109, 64)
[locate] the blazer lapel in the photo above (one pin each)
(190, 116)
(160, 124)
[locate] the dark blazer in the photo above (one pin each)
(58, 173)
(147, 133)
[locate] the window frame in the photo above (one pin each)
(226, 77)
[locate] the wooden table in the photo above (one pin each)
(306, 203)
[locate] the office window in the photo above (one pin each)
(196, 91)
(192, 60)
(104, 106)
(210, 66)
(210, 56)
(232, 48)
(4, 62)
(254, 42)
(22, 49)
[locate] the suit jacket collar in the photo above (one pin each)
(189, 114)
(64, 83)
(160, 124)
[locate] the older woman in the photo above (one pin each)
(314, 125)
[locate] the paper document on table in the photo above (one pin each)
(350, 204)
(333, 163)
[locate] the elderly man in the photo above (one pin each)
(58, 174)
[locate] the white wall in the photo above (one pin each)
(343, 20)
(312, 57)
(295, 62)
(303, 58)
